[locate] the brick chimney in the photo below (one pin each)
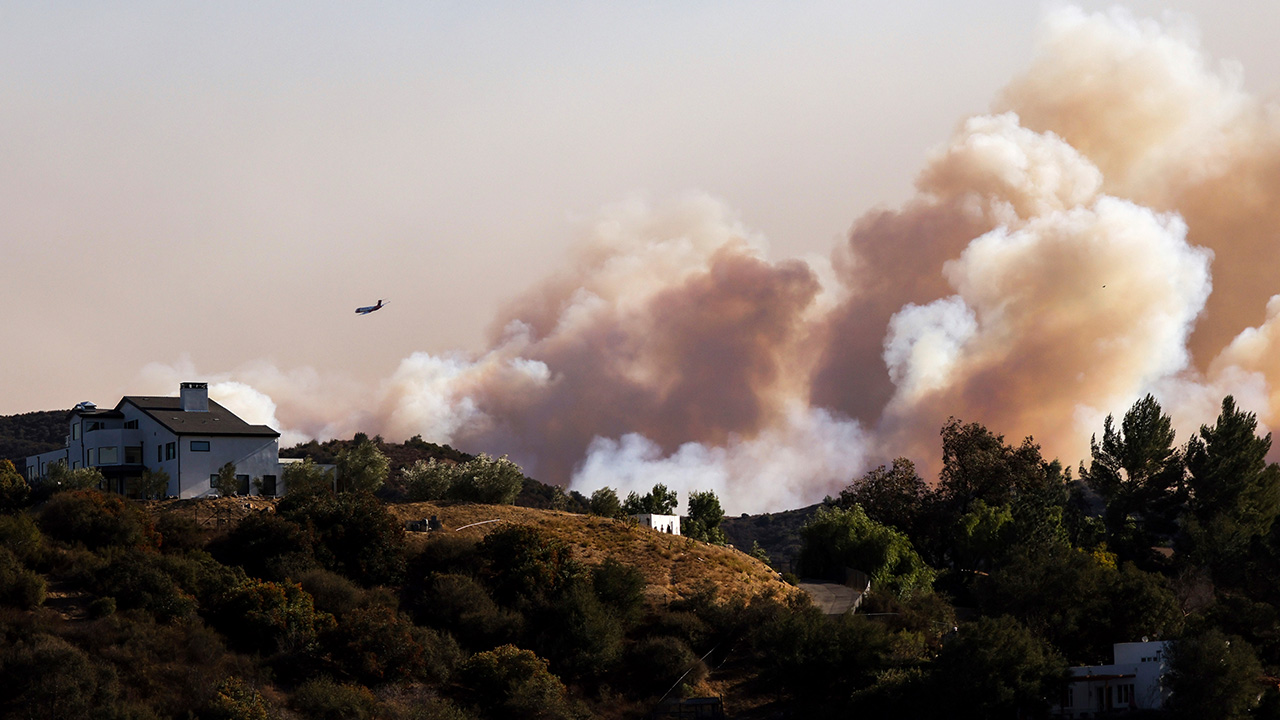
(195, 397)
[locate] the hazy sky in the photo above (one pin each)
(224, 182)
(196, 191)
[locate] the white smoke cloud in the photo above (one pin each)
(786, 466)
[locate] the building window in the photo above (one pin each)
(109, 456)
(131, 425)
(269, 485)
(170, 450)
(75, 431)
(92, 455)
(199, 446)
(133, 455)
(93, 426)
(159, 453)
(242, 482)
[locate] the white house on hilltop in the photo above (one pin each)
(189, 437)
(669, 524)
(1132, 682)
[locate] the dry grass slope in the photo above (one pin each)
(671, 565)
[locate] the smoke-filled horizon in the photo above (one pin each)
(1106, 231)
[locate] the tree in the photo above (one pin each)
(704, 518)
(1212, 675)
(485, 479)
(154, 483)
(429, 479)
(996, 668)
(1235, 493)
(86, 478)
(605, 503)
(14, 490)
(977, 465)
(226, 483)
(305, 478)
(658, 501)
(363, 467)
(1138, 472)
(835, 539)
(892, 496)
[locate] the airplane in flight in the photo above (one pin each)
(370, 308)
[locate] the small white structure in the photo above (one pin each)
(669, 524)
(190, 437)
(1132, 682)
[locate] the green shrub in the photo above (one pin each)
(524, 562)
(654, 664)
(463, 606)
(353, 534)
(135, 580)
(331, 592)
(97, 520)
(237, 700)
(324, 699)
(47, 677)
(268, 618)
(374, 645)
(102, 607)
(619, 586)
(179, 533)
(508, 682)
(19, 587)
(14, 491)
(440, 653)
(19, 534)
(267, 546)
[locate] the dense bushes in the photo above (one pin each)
(97, 520)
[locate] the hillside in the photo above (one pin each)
(31, 433)
(777, 533)
(672, 565)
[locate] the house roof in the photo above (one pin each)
(217, 421)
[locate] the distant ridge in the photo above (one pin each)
(31, 433)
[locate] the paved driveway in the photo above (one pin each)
(831, 598)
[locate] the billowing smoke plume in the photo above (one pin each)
(1108, 231)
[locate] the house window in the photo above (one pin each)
(93, 426)
(269, 485)
(159, 453)
(92, 456)
(170, 450)
(133, 455)
(199, 446)
(131, 425)
(242, 483)
(109, 456)
(75, 431)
